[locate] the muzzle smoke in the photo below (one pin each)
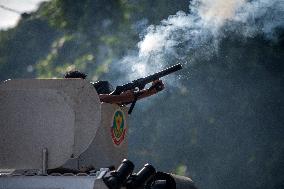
(201, 29)
(224, 123)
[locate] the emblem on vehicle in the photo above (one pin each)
(118, 128)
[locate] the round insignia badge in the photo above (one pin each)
(118, 128)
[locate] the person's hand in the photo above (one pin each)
(157, 86)
(129, 95)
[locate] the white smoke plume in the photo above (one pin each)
(201, 29)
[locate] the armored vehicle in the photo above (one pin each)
(55, 133)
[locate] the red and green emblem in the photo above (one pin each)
(118, 128)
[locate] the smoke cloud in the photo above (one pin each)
(225, 121)
(206, 23)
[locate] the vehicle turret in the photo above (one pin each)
(62, 119)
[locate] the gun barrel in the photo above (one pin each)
(162, 73)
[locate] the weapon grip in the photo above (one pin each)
(132, 106)
(117, 90)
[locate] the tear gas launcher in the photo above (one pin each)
(142, 82)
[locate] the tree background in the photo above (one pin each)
(221, 122)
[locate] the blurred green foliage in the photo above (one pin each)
(52, 38)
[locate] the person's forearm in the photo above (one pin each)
(116, 99)
(144, 93)
(127, 97)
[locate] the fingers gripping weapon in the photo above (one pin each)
(142, 82)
